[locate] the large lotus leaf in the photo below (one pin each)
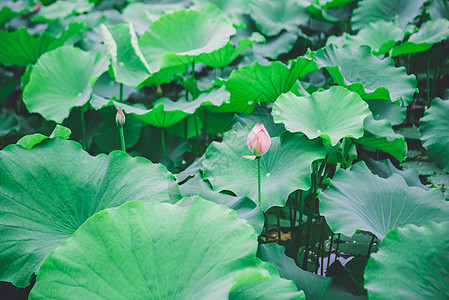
(362, 72)
(316, 287)
(167, 112)
(400, 11)
(179, 37)
(141, 15)
(274, 16)
(332, 114)
(127, 61)
(285, 168)
(381, 36)
(266, 83)
(380, 135)
(61, 80)
(430, 33)
(224, 56)
(61, 9)
(412, 263)
(47, 192)
(193, 250)
(21, 48)
(357, 199)
(434, 127)
(245, 208)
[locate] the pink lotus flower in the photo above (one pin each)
(259, 140)
(120, 118)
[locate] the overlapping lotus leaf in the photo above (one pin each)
(47, 192)
(195, 249)
(127, 61)
(398, 270)
(274, 16)
(167, 112)
(380, 135)
(362, 72)
(285, 168)
(430, 33)
(179, 37)
(224, 56)
(61, 9)
(381, 36)
(245, 208)
(357, 199)
(400, 11)
(266, 83)
(332, 114)
(434, 127)
(21, 48)
(62, 79)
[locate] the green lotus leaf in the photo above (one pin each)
(393, 273)
(381, 36)
(29, 141)
(61, 80)
(430, 33)
(274, 16)
(224, 56)
(257, 83)
(21, 48)
(273, 288)
(321, 14)
(141, 15)
(166, 112)
(47, 192)
(245, 208)
(400, 11)
(9, 122)
(193, 250)
(285, 168)
(178, 38)
(387, 110)
(316, 287)
(380, 135)
(357, 199)
(442, 182)
(274, 47)
(127, 61)
(61, 9)
(362, 72)
(332, 114)
(434, 127)
(438, 9)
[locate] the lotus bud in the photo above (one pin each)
(120, 118)
(159, 91)
(259, 140)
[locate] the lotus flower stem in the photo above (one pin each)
(193, 80)
(121, 92)
(370, 245)
(330, 250)
(259, 193)
(83, 128)
(122, 139)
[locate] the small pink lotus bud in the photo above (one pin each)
(159, 91)
(259, 140)
(120, 118)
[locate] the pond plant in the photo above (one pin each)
(290, 149)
